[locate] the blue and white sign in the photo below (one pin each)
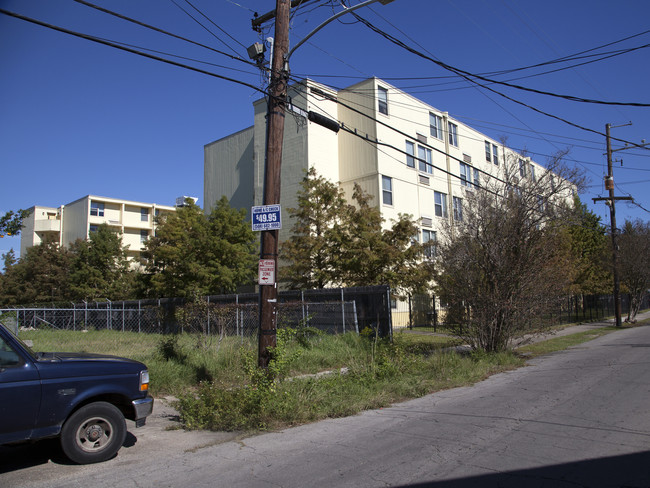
(266, 217)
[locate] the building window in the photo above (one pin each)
(476, 180)
(144, 235)
(97, 209)
(383, 100)
(387, 190)
(522, 168)
(435, 125)
(458, 209)
(488, 152)
(410, 154)
(93, 228)
(453, 134)
(440, 200)
(532, 172)
(144, 214)
(429, 243)
(424, 155)
(465, 175)
(495, 154)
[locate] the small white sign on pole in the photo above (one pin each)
(266, 270)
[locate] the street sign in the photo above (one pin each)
(266, 217)
(266, 269)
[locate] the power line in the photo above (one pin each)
(148, 26)
(123, 48)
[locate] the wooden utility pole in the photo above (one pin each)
(611, 202)
(272, 166)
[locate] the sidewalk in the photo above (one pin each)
(575, 329)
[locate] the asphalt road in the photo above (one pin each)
(577, 418)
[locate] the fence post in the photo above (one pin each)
(74, 317)
(410, 314)
(139, 316)
(302, 305)
(356, 321)
(343, 309)
(208, 315)
(122, 315)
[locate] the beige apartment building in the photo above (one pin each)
(134, 221)
(413, 158)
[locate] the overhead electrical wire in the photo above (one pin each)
(127, 49)
(468, 77)
(162, 31)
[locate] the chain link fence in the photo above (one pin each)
(128, 328)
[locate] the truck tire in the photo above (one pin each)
(94, 433)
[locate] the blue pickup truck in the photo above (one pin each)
(81, 398)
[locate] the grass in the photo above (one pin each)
(220, 387)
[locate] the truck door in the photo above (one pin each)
(20, 394)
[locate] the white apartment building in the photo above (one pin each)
(411, 157)
(134, 221)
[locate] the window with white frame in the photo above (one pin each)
(453, 134)
(382, 96)
(429, 243)
(144, 214)
(144, 235)
(457, 204)
(465, 175)
(440, 204)
(435, 125)
(424, 155)
(476, 177)
(93, 228)
(495, 154)
(97, 209)
(532, 172)
(387, 190)
(488, 152)
(410, 154)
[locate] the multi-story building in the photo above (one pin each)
(134, 221)
(411, 157)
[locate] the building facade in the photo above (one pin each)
(411, 157)
(134, 221)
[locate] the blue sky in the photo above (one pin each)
(80, 118)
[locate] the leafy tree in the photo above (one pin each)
(9, 259)
(40, 276)
(634, 262)
(589, 245)
(508, 260)
(371, 255)
(11, 222)
(100, 268)
(336, 243)
(313, 251)
(194, 255)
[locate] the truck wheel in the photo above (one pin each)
(94, 433)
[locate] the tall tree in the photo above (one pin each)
(508, 260)
(373, 255)
(313, 251)
(589, 246)
(9, 259)
(335, 243)
(40, 276)
(193, 255)
(100, 268)
(634, 262)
